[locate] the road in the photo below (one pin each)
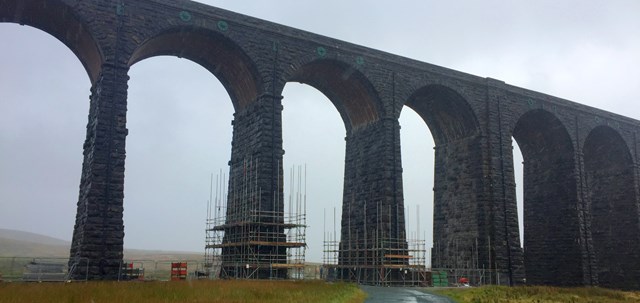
(378, 294)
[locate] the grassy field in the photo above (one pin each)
(538, 294)
(187, 291)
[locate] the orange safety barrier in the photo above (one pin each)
(178, 271)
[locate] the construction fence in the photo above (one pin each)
(29, 269)
(43, 269)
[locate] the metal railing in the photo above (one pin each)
(46, 269)
(41, 269)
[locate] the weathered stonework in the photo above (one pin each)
(582, 168)
(255, 174)
(99, 231)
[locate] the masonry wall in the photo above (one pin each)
(609, 175)
(255, 204)
(372, 212)
(97, 245)
(503, 237)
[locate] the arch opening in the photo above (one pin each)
(518, 172)
(42, 129)
(313, 136)
(347, 88)
(614, 211)
(216, 53)
(359, 106)
(180, 133)
(551, 221)
(454, 129)
(57, 19)
(418, 157)
(448, 115)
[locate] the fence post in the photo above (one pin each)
(13, 262)
(155, 270)
(120, 270)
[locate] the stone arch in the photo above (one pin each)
(448, 115)
(59, 20)
(349, 90)
(552, 252)
(614, 209)
(457, 173)
(215, 52)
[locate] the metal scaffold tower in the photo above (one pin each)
(247, 241)
(376, 258)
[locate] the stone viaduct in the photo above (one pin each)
(581, 167)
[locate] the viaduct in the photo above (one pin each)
(581, 165)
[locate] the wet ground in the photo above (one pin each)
(378, 294)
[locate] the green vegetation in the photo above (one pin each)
(538, 294)
(184, 291)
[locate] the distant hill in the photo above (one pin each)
(15, 243)
(18, 248)
(10, 234)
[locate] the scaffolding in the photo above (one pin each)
(375, 258)
(248, 240)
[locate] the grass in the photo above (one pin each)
(184, 291)
(538, 294)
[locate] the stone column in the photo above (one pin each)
(505, 255)
(461, 210)
(373, 225)
(255, 207)
(589, 265)
(97, 245)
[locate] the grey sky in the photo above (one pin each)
(179, 115)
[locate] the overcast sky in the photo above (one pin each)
(180, 116)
